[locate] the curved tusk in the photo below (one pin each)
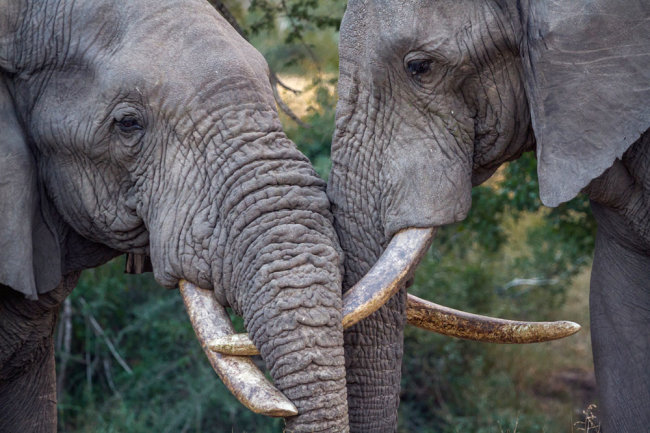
(394, 267)
(386, 277)
(445, 321)
(455, 323)
(241, 376)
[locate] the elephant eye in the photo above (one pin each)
(129, 124)
(419, 67)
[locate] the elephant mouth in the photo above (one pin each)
(228, 351)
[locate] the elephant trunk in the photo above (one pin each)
(373, 346)
(285, 281)
(292, 310)
(260, 235)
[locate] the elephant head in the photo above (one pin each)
(433, 97)
(150, 128)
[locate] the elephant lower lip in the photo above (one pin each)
(138, 264)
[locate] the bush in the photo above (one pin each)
(133, 363)
(509, 258)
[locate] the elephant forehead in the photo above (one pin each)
(183, 49)
(193, 38)
(386, 28)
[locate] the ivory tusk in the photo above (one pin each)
(387, 276)
(394, 267)
(455, 323)
(445, 321)
(241, 376)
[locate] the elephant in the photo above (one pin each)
(149, 127)
(433, 97)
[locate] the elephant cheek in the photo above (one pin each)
(422, 195)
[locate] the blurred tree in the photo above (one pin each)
(299, 18)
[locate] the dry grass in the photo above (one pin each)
(558, 375)
(590, 422)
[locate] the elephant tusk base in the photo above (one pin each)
(387, 276)
(241, 376)
(455, 323)
(234, 344)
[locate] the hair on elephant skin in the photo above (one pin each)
(433, 97)
(149, 127)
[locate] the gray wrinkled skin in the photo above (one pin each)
(434, 97)
(149, 127)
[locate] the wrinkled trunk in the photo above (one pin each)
(257, 229)
(292, 310)
(285, 281)
(374, 346)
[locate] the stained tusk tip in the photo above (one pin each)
(240, 375)
(571, 327)
(233, 344)
(455, 323)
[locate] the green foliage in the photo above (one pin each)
(171, 386)
(288, 31)
(302, 15)
(315, 142)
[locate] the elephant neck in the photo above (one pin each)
(622, 193)
(27, 371)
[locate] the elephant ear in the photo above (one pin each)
(587, 69)
(30, 254)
